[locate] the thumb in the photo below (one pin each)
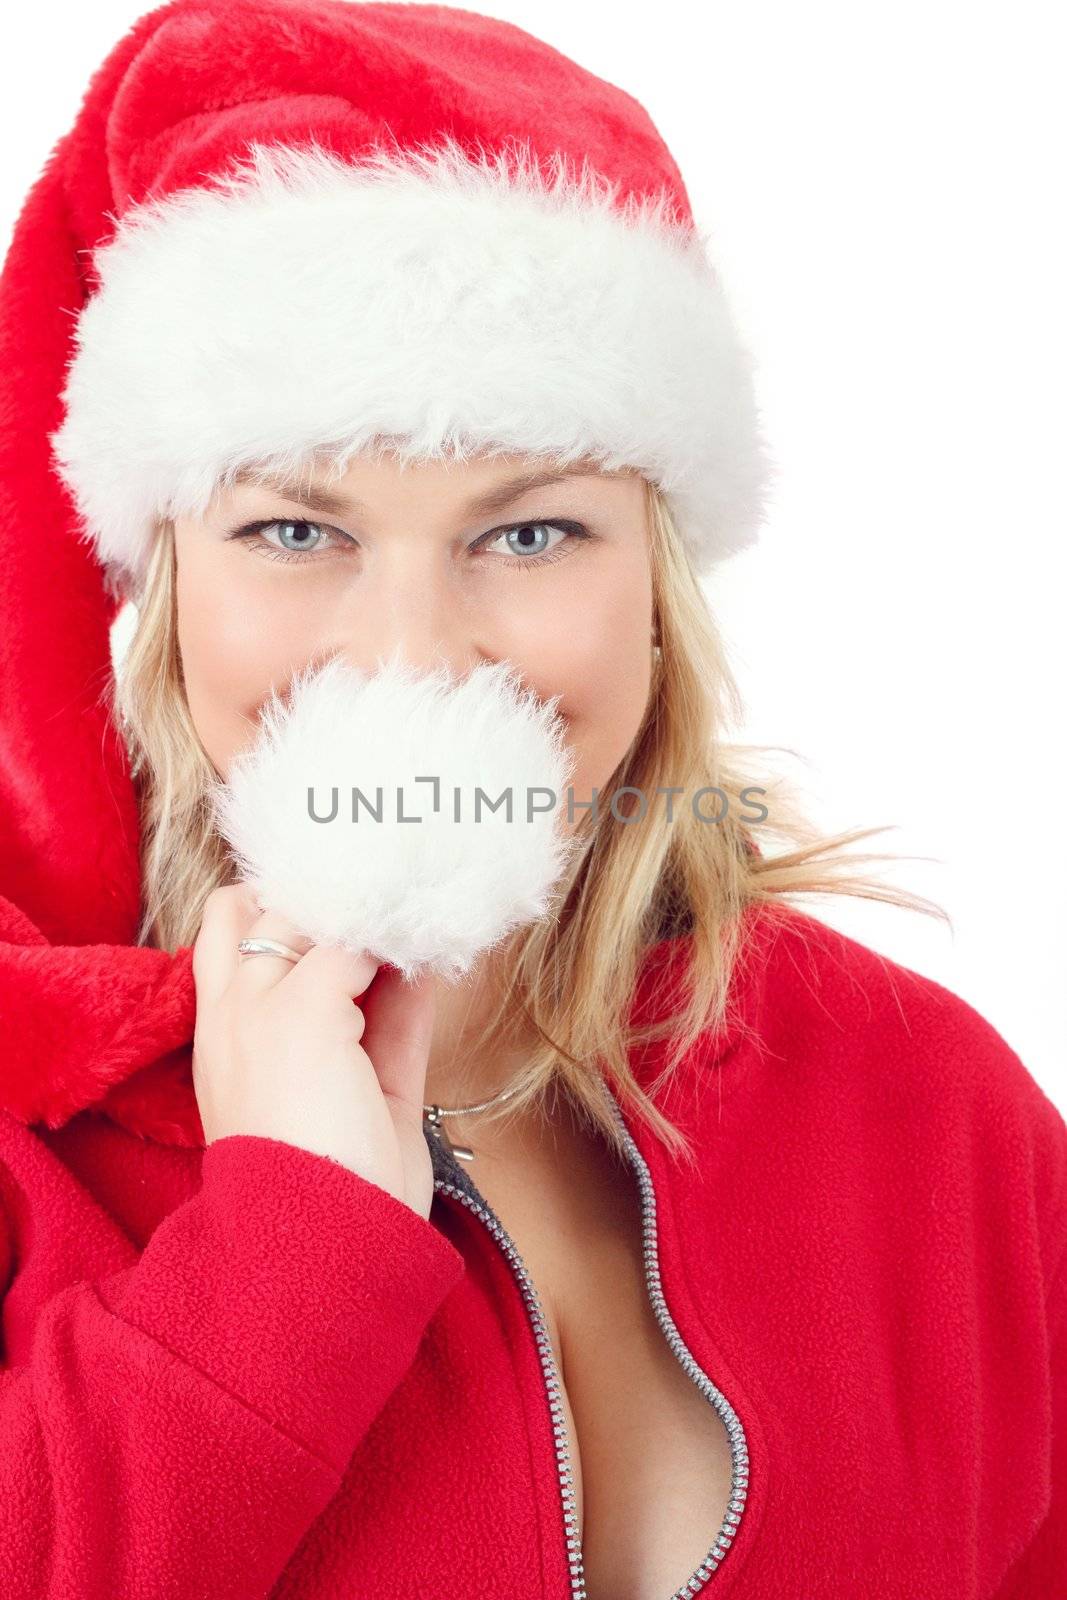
(398, 1032)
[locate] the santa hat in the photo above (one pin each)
(285, 230)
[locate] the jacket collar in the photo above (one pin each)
(109, 1028)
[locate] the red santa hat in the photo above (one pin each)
(292, 230)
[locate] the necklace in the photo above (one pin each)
(432, 1117)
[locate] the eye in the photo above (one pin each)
(531, 542)
(300, 540)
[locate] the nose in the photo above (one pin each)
(421, 621)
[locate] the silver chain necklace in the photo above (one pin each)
(433, 1115)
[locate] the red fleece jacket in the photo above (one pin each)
(247, 1371)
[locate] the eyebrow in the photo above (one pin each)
(324, 501)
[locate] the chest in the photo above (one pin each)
(649, 1454)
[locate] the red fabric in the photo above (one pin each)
(248, 1371)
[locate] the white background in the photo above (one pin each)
(882, 187)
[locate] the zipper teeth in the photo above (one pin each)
(731, 1421)
(552, 1383)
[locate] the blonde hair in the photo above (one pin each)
(565, 984)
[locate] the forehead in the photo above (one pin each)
(480, 484)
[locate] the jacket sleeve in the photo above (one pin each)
(179, 1424)
(1040, 1573)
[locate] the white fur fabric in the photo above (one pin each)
(422, 894)
(301, 307)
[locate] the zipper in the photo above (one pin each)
(452, 1179)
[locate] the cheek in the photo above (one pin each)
(595, 652)
(605, 713)
(234, 649)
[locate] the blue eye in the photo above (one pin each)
(527, 540)
(301, 547)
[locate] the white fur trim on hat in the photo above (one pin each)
(304, 306)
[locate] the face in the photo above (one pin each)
(457, 563)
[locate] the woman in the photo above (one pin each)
(744, 1276)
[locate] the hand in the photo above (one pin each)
(282, 1050)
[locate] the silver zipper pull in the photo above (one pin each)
(432, 1120)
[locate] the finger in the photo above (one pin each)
(227, 912)
(265, 969)
(345, 971)
(399, 1023)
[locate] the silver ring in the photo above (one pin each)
(267, 947)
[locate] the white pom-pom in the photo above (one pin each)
(356, 870)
